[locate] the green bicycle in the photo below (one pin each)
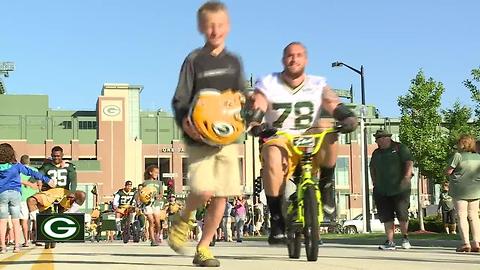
(304, 212)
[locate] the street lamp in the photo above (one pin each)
(364, 148)
(158, 136)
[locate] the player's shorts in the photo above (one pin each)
(214, 169)
(150, 209)
(24, 213)
(155, 210)
(122, 208)
(47, 198)
(293, 158)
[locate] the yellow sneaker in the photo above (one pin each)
(204, 257)
(178, 234)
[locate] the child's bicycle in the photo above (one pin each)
(134, 229)
(305, 211)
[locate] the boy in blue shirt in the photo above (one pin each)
(10, 192)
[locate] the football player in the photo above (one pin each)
(64, 192)
(64, 175)
(122, 201)
(292, 101)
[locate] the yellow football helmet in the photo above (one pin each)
(146, 194)
(216, 115)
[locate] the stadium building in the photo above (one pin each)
(118, 140)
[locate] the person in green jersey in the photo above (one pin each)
(123, 200)
(464, 184)
(151, 196)
(391, 169)
(64, 192)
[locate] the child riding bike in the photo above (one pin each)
(294, 102)
(122, 202)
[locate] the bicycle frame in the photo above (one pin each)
(306, 145)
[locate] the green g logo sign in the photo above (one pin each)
(111, 110)
(61, 227)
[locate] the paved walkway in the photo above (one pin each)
(249, 255)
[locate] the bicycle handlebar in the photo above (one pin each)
(266, 131)
(308, 141)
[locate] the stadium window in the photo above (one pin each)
(185, 171)
(36, 162)
(87, 124)
(342, 176)
(87, 158)
(67, 124)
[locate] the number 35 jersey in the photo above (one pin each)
(65, 175)
(289, 109)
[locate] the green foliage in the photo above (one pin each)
(474, 87)
(433, 223)
(420, 128)
(456, 120)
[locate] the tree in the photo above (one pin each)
(421, 132)
(474, 87)
(456, 121)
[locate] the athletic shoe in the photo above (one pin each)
(204, 257)
(277, 231)
(388, 245)
(406, 244)
(178, 234)
(277, 239)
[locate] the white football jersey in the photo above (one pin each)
(292, 110)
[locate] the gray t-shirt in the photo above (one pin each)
(464, 182)
(201, 70)
(446, 201)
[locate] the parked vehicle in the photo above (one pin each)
(355, 225)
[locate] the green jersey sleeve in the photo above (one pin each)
(72, 176)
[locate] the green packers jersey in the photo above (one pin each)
(160, 203)
(153, 183)
(125, 197)
(65, 176)
(157, 185)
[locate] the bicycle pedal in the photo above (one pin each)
(294, 226)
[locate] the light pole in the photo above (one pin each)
(364, 148)
(158, 137)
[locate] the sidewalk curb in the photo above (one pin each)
(378, 241)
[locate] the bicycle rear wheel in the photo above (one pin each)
(136, 231)
(294, 244)
(311, 230)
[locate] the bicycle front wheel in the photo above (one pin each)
(125, 231)
(311, 229)
(136, 231)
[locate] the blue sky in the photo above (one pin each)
(68, 49)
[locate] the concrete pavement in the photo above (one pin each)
(249, 255)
